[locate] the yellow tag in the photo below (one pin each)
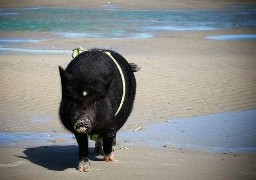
(77, 51)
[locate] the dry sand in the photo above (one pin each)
(182, 75)
(57, 162)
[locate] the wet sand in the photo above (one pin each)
(183, 74)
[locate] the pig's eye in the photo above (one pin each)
(84, 93)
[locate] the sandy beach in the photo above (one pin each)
(183, 74)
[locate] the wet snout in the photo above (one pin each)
(83, 126)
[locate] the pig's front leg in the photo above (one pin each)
(82, 140)
(108, 140)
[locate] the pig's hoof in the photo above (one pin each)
(110, 158)
(84, 166)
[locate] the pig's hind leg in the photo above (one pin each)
(82, 140)
(99, 146)
(108, 141)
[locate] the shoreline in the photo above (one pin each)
(132, 4)
(229, 134)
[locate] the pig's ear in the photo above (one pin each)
(65, 76)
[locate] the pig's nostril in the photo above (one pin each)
(82, 126)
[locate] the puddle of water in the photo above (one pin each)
(33, 51)
(233, 37)
(6, 13)
(16, 138)
(180, 28)
(117, 34)
(77, 35)
(19, 40)
(223, 132)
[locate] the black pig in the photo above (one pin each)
(98, 91)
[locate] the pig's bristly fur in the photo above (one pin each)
(98, 91)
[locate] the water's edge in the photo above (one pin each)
(222, 132)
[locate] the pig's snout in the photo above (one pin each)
(83, 126)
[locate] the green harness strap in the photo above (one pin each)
(123, 81)
(78, 51)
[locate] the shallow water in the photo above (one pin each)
(233, 37)
(35, 138)
(33, 51)
(223, 132)
(19, 40)
(114, 22)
